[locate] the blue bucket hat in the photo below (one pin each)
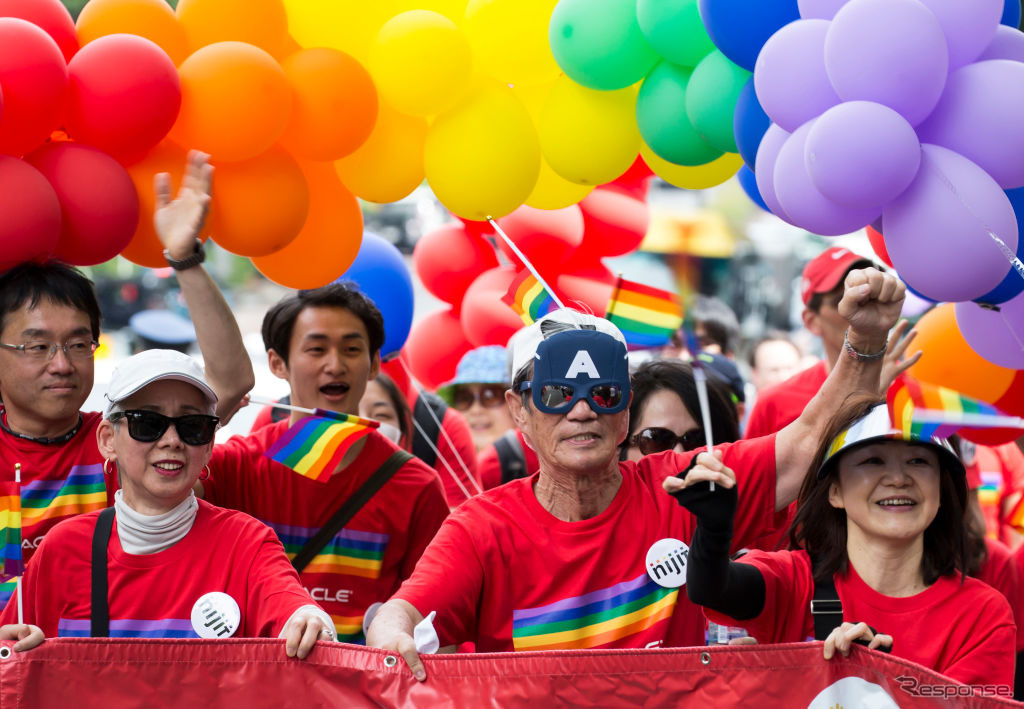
(483, 365)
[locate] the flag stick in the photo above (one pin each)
(700, 378)
(326, 413)
(17, 582)
(526, 261)
(967, 419)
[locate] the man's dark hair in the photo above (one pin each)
(717, 320)
(279, 322)
(52, 281)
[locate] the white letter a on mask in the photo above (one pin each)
(582, 364)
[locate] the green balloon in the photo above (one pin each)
(598, 43)
(661, 116)
(711, 96)
(675, 30)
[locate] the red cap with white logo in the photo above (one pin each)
(827, 269)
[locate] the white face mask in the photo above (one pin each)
(390, 432)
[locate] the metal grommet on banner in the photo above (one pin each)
(390, 661)
(705, 658)
(5, 652)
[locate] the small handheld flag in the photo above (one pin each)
(528, 298)
(10, 528)
(930, 411)
(314, 446)
(646, 316)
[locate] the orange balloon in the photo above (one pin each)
(329, 240)
(145, 248)
(334, 106)
(949, 361)
(259, 205)
(152, 19)
(259, 22)
(389, 165)
(235, 101)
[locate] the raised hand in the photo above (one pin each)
(871, 302)
(179, 221)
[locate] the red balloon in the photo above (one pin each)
(435, 345)
(990, 436)
(31, 214)
(878, 244)
(50, 16)
(547, 237)
(1012, 401)
(448, 259)
(614, 224)
(634, 181)
(584, 293)
(98, 204)
(475, 228)
(485, 319)
(35, 78)
(123, 95)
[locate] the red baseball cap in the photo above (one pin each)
(825, 271)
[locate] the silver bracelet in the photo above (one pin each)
(860, 356)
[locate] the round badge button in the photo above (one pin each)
(666, 562)
(216, 615)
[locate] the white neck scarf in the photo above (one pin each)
(149, 534)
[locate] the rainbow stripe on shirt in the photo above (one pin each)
(594, 619)
(128, 628)
(83, 490)
(350, 552)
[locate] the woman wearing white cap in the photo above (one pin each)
(172, 566)
(878, 543)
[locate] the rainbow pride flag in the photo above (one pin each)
(646, 316)
(928, 411)
(10, 530)
(314, 445)
(528, 298)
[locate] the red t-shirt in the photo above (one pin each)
(58, 481)
(378, 548)
(1001, 571)
(964, 631)
(998, 473)
(488, 464)
(779, 405)
(507, 575)
(152, 595)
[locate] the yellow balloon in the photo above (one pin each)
(693, 178)
(454, 10)
(347, 25)
(389, 165)
(482, 157)
(420, 62)
(510, 39)
(589, 137)
(553, 191)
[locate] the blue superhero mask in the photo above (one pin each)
(580, 364)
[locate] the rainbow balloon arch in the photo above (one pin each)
(548, 115)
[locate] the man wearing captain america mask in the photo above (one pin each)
(590, 552)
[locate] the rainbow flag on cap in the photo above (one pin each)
(646, 316)
(10, 530)
(924, 411)
(314, 446)
(528, 298)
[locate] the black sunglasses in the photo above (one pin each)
(149, 426)
(657, 440)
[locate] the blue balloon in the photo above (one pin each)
(749, 123)
(748, 181)
(1011, 13)
(739, 28)
(380, 272)
(1013, 284)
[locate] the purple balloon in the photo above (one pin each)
(936, 232)
(803, 203)
(819, 9)
(996, 335)
(767, 153)
(969, 26)
(980, 117)
(790, 77)
(862, 154)
(1007, 44)
(892, 52)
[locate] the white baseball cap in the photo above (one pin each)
(523, 345)
(143, 369)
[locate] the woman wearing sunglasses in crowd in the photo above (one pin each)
(478, 393)
(880, 528)
(665, 411)
(174, 566)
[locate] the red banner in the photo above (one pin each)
(85, 673)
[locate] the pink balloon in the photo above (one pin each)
(448, 260)
(485, 319)
(996, 335)
(936, 232)
(969, 26)
(767, 155)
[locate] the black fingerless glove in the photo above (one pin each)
(715, 510)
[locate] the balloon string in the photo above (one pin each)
(526, 261)
(1013, 332)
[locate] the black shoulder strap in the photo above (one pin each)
(510, 456)
(99, 609)
(826, 608)
(348, 510)
(420, 448)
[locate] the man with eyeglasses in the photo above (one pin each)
(49, 329)
(590, 552)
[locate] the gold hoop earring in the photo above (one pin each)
(205, 474)
(111, 462)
